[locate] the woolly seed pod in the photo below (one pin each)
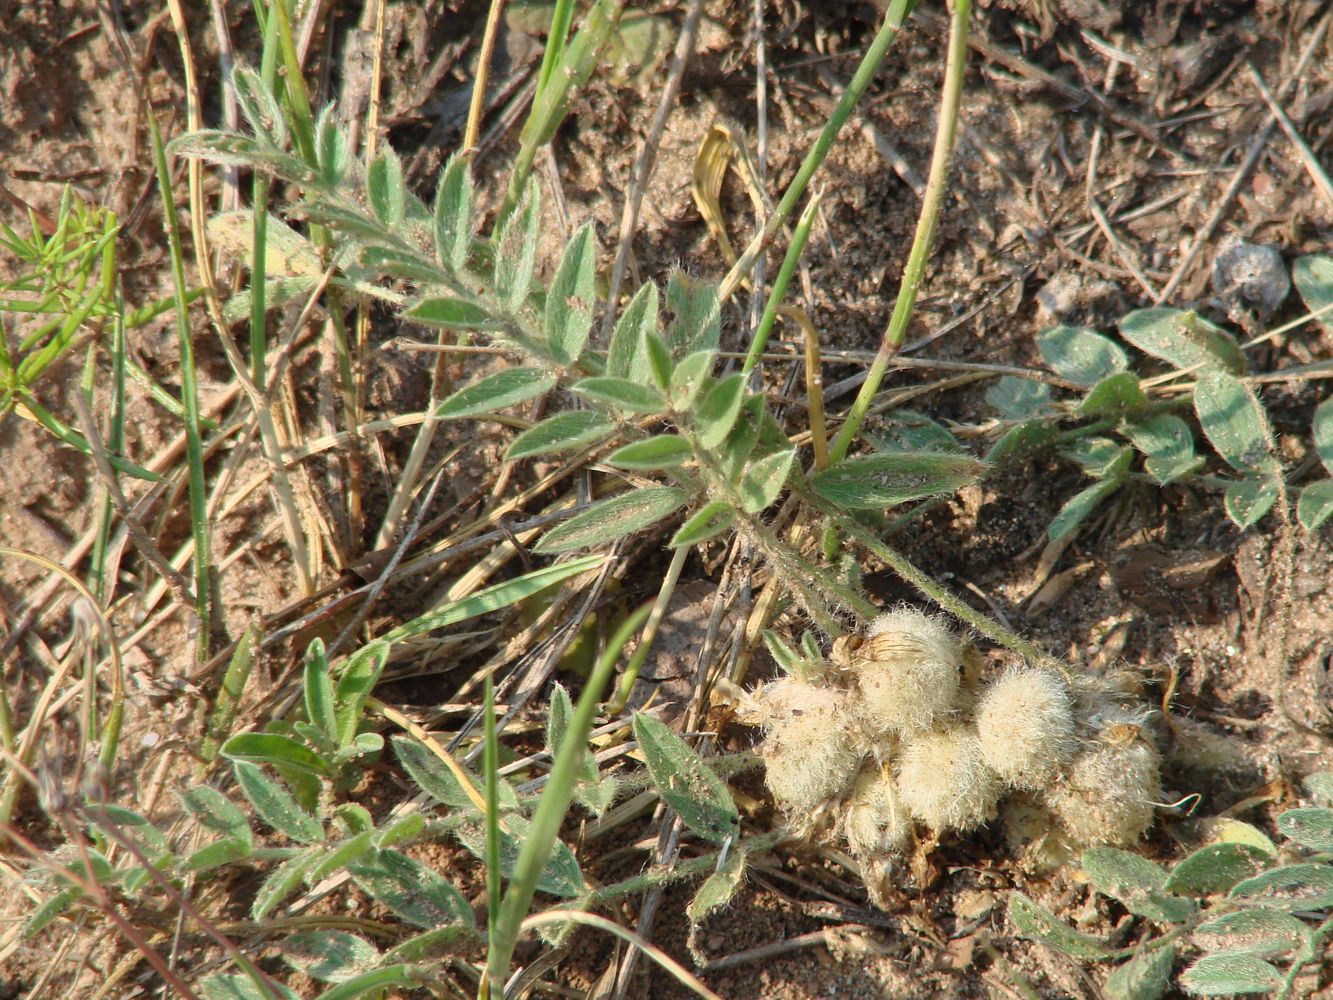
(1025, 722)
(875, 822)
(808, 756)
(907, 672)
(1106, 794)
(943, 781)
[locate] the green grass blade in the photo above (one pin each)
(493, 598)
(552, 807)
(194, 446)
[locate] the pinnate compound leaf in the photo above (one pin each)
(1077, 508)
(259, 106)
(1113, 394)
(358, 678)
(1253, 932)
(1183, 339)
(685, 782)
(662, 451)
(1167, 444)
(1248, 500)
(454, 314)
(660, 365)
(1313, 277)
(690, 376)
(717, 410)
(1036, 923)
(710, 520)
(1018, 398)
(437, 780)
(1233, 420)
(1081, 355)
(1146, 976)
(282, 882)
(561, 432)
(697, 325)
(1223, 975)
(1319, 786)
(216, 812)
(763, 480)
(437, 943)
(719, 889)
(561, 876)
(1138, 883)
(1315, 504)
(907, 430)
(1310, 827)
(1215, 869)
(1322, 431)
(1307, 886)
(374, 983)
(613, 518)
(274, 748)
(411, 890)
(384, 188)
(627, 354)
(621, 394)
(227, 986)
(318, 691)
(496, 392)
(328, 956)
(453, 213)
(570, 299)
(276, 806)
(873, 482)
(516, 251)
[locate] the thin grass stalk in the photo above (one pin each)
(774, 303)
(674, 968)
(659, 610)
(865, 72)
(552, 807)
(260, 186)
(931, 589)
(115, 443)
(298, 98)
(477, 105)
(252, 382)
(954, 72)
(561, 17)
(490, 766)
(194, 446)
(551, 103)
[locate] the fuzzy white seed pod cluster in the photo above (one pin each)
(901, 731)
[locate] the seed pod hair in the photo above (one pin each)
(1025, 722)
(807, 751)
(907, 672)
(875, 822)
(1106, 794)
(943, 781)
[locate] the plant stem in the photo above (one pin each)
(929, 588)
(865, 72)
(955, 71)
(798, 239)
(551, 809)
(194, 446)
